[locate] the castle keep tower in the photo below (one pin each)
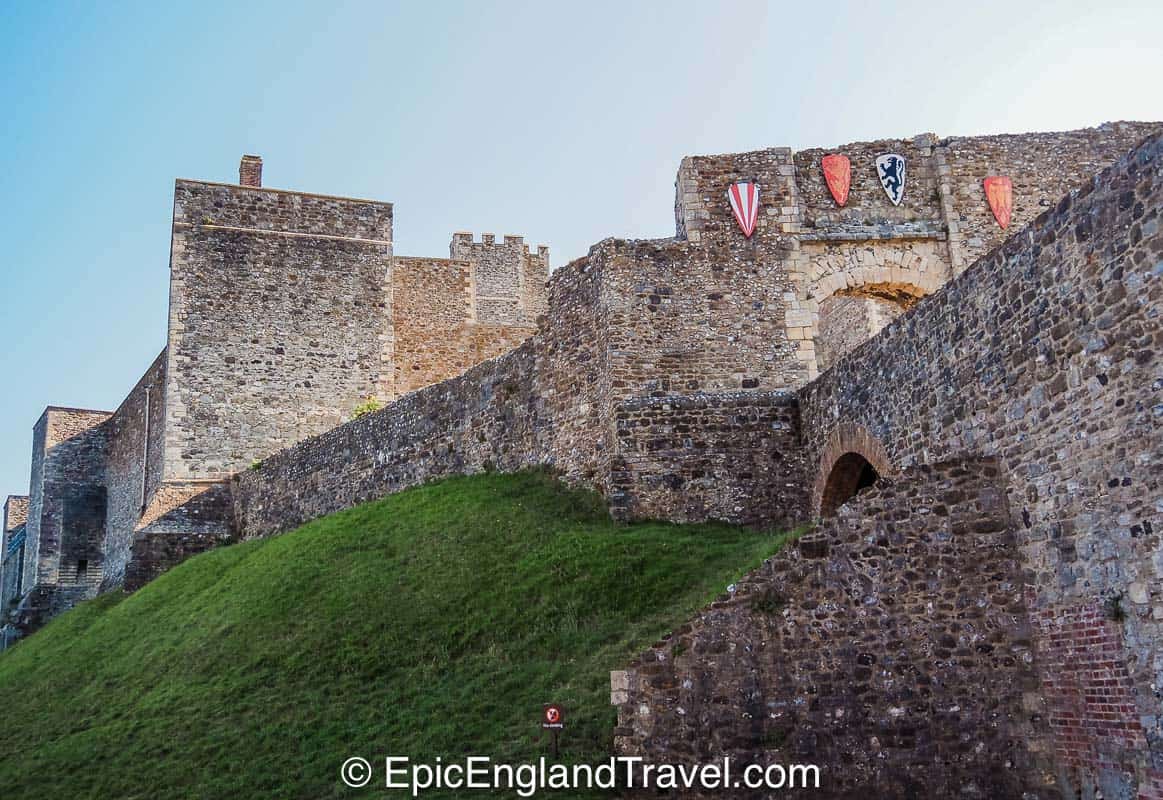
(280, 320)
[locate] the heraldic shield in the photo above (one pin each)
(838, 174)
(744, 199)
(890, 169)
(999, 191)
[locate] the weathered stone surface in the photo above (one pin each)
(717, 456)
(891, 646)
(1045, 354)
(66, 513)
(133, 466)
(436, 329)
(12, 539)
(508, 282)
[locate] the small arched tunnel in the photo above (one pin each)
(851, 473)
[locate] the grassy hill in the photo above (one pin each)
(431, 623)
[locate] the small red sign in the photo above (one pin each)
(838, 174)
(552, 716)
(999, 191)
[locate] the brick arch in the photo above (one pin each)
(846, 440)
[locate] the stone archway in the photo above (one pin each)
(852, 459)
(851, 473)
(852, 316)
(870, 281)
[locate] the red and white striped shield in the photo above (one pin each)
(744, 197)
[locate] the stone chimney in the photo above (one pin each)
(250, 171)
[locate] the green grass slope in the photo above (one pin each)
(431, 623)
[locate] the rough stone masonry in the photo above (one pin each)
(681, 377)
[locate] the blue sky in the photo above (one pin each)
(561, 122)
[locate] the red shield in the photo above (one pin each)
(744, 199)
(999, 191)
(838, 174)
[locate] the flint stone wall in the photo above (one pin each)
(507, 279)
(66, 514)
(729, 456)
(1045, 354)
(280, 320)
(133, 466)
(891, 647)
(538, 404)
(435, 330)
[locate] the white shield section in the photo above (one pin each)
(890, 169)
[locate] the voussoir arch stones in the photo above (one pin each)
(848, 438)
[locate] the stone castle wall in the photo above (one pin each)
(283, 320)
(507, 280)
(463, 425)
(1039, 357)
(679, 377)
(280, 321)
(1042, 166)
(941, 226)
(431, 297)
(891, 639)
(647, 330)
(544, 403)
(133, 466)
(182, 519)
(66, 511)
(436, 332)
(847, 322)
(730, 456)
(15, 516)
(1044, 354)
(12, 538)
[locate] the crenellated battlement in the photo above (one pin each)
(463, 239)
(508, 280)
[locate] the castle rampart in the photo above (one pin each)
(1033, 372)
(890, 647)
(645, 329)
(1039, 360)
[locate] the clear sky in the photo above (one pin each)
(562, 122)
